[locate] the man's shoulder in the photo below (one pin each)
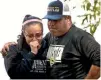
(48, 34)
(48, 37)
(79, 33)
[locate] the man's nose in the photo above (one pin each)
(51, 22)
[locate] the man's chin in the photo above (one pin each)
(55, 34)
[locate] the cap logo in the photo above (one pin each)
(53, 9)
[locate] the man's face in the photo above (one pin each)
(57, 27)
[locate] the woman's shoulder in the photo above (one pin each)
(13, 48)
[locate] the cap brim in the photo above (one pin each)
(53, 17)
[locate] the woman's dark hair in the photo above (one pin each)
(21, 39)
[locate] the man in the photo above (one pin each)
(72, 53)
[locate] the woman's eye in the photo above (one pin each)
(38, 35)
(30, 36)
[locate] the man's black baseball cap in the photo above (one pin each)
(56, 10)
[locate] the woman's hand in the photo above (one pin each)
(35, 46)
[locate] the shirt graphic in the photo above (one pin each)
(55, 53)
(39, 66)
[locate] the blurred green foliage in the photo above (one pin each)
(92, 14)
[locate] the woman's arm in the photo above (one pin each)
(16, 64)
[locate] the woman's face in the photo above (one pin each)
(33, 32)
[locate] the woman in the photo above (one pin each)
(26, 59)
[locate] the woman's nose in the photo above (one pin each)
(34, 38)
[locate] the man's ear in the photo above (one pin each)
(68, 17)
(67, 20)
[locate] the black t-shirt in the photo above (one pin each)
(70, 56)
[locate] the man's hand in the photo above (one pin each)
(35, 46)
(6, 48)
(94, 73)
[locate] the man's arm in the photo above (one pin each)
(16, 63)
(91, 49)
